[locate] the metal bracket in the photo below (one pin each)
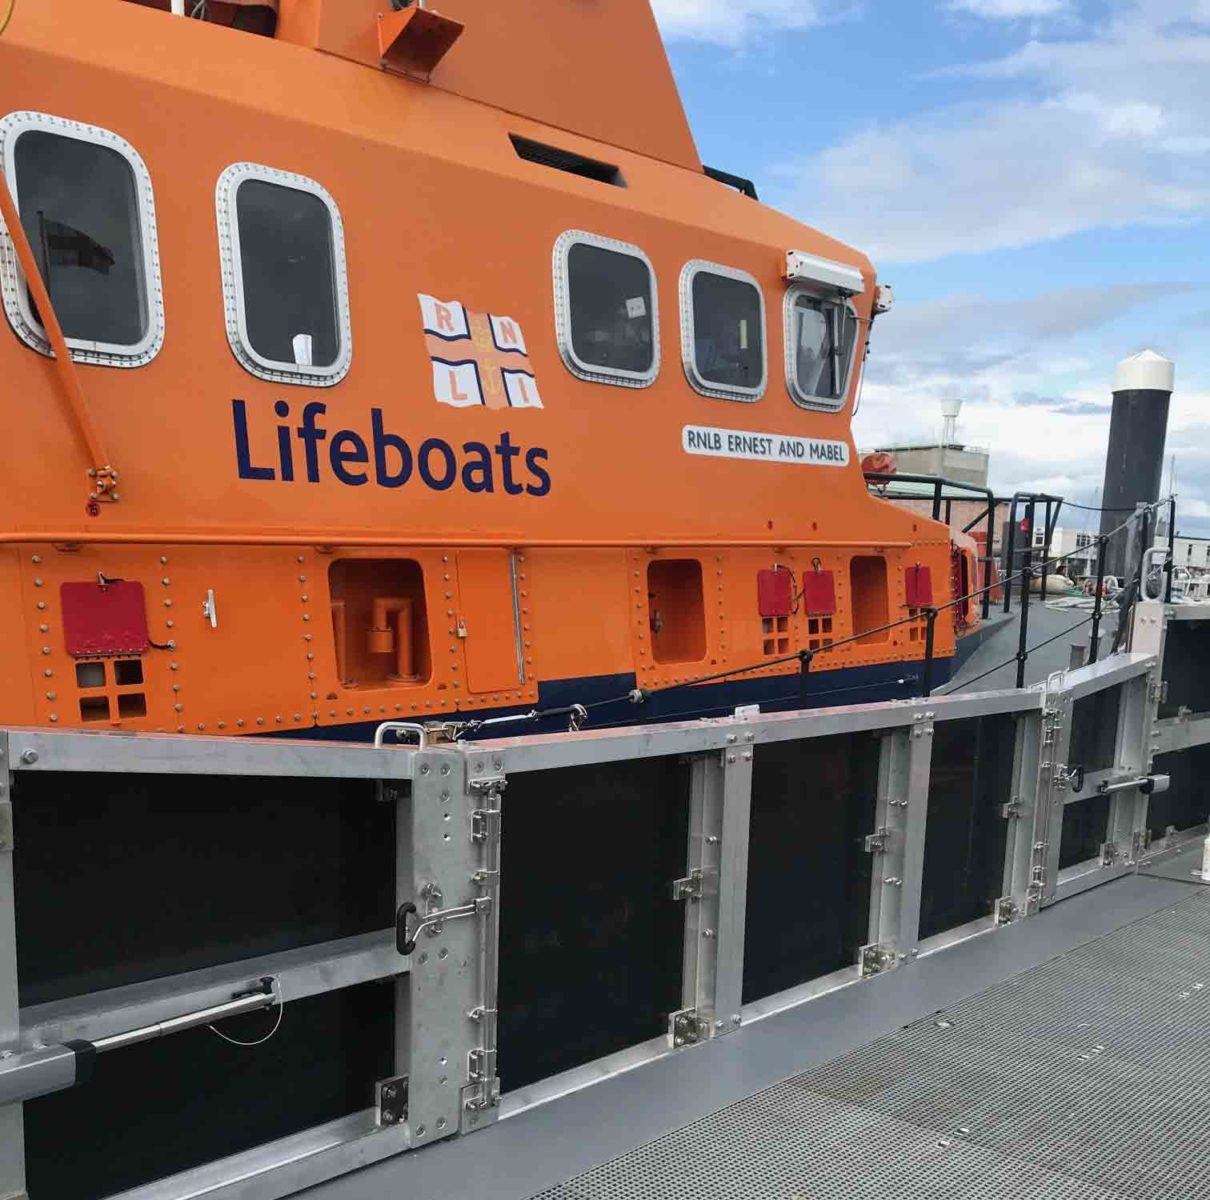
(876, 958)
(6, 827)
(1007, 911)
(686, 1028)
(876, 842)
(1109, 854)
(691, 887)
(1013, 809)
(391, 1097)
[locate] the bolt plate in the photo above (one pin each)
(392, 1099)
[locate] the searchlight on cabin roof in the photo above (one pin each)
(802, 267)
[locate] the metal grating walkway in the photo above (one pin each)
(1085, 1077)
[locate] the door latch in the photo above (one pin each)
(432, 922)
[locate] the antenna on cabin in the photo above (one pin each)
(949, 429)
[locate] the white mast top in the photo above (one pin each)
(1146, 371)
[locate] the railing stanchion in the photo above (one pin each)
(1010, 553)
(930, 617)
(1047, 532)
(1026, 577)
(1170, 566)
(804, 676)
(989, 557)
(1094, 636)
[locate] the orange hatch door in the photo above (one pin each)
(488, 620)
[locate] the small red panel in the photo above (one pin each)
(918, 584)
(104, 619)
(819, 593)
(774, 593)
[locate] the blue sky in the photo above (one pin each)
(1032, 176)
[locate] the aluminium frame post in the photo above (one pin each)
(12, 1138)
(897, 843)
(716, 895)
(1126, 829)
(448, 843)
(1050, 793)
(1022, 890)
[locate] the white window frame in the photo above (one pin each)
(17, 307)
(233, 278)
(719, 391)
(590, 371)
(801, 398)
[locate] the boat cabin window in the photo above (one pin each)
(607, 310)
(86, 206)
(723, 331)
(284, 273)
(821, 335)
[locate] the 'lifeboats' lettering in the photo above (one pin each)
(386, 458)
(763, 447)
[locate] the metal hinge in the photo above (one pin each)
(876, 958)
(1006, 910)
(485, 824)
(1109, 854)
(1157, 693)
(481, 1071)
(686, 1028)
(1013, 809)
(690, 887)
(876, 842)
(391, 1096)
(6, 827)
(490, 786)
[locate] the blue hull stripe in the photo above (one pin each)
(849, 685)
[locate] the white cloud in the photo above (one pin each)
(1099, 131)
(731, 22)
(1010, 9)
(1035, 377)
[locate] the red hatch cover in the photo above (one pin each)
(819, 593)
(104, 619)
(774, 592)
(918, 585)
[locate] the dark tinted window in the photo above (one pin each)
(289, 274)
(79, 206)
(823, 333)
(610, 300)
(728, 338)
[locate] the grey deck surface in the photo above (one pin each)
(1087, 1076)
(1064, 626)
(873, 1137)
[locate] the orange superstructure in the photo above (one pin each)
(522, 451)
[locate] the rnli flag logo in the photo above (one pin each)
(479, 360)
